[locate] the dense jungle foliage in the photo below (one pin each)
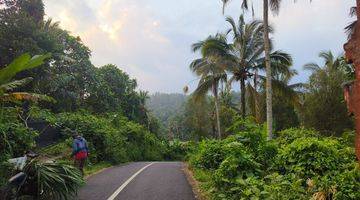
(298, 164)
(101, 103)
(217, 128)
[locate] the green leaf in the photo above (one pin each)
(21, 63)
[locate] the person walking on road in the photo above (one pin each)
(80, 151)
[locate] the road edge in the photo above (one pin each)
(195, 185)
(105, 168)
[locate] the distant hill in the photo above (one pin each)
(164, 106)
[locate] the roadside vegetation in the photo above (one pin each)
(298, 164)
(247, 130)
(309, 151)
(46, 76)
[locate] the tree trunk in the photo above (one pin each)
(256, 98)
(215, 92)
(269, 117)
(243, 103)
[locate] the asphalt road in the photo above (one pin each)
(139, 181)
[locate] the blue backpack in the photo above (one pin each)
(79, 145)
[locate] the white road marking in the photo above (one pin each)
(117, 192)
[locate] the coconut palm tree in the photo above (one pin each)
(330, 61)
(247, 50)
(274, 5)
(211, 69)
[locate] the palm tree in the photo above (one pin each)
(351, 27)
(330, 61)
(248, 53)
(325, 95)
(211, 69)
(246, 49)
(274, 6)
(7, 86)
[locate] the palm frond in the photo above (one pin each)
(196, 46)
(205, 84)
(56, 181)
(15, 84)
(349, 29)
(244, 4)
(225, 2)
(233, 28)
(21, 63)
(275, 5)
(20, 96)
(353, 11)
(313, 67)
(285, 90)
(327, 56)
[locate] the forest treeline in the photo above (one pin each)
(282, 140)
(316, 104)
(64, 89)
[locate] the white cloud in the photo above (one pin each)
(150, 39)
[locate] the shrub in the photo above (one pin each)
(177, 150)
(288, 187)
(254, 139)
(238, 175)
(210, 154)
(114, 138)
(338, 184)
(289, 135)
(15, 137)
(298, 164)
(309, 157)
(348, 184)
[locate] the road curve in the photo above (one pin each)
(139, 181)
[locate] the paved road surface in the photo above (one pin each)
(139, 181)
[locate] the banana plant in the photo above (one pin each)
(7, 73)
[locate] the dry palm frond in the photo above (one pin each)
(186, 89)
(55, 181)
(15, 84)
(319, 196)
(20, 96)
(349, 30)
(352, 11)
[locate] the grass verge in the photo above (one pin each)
(200, 182)
(92, 169)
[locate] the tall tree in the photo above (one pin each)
(247, 52)
(211, 69)
(274, 5)
(246, 49)
(324, 107)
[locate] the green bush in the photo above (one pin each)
(234, 174)
(15, 137)
(177, 150)
(309, 157)
(298, 164)
(287, 136)
(285, 187)
(347, 184)
(110, 138)
(209, 155)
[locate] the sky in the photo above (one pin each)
(151, 39)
